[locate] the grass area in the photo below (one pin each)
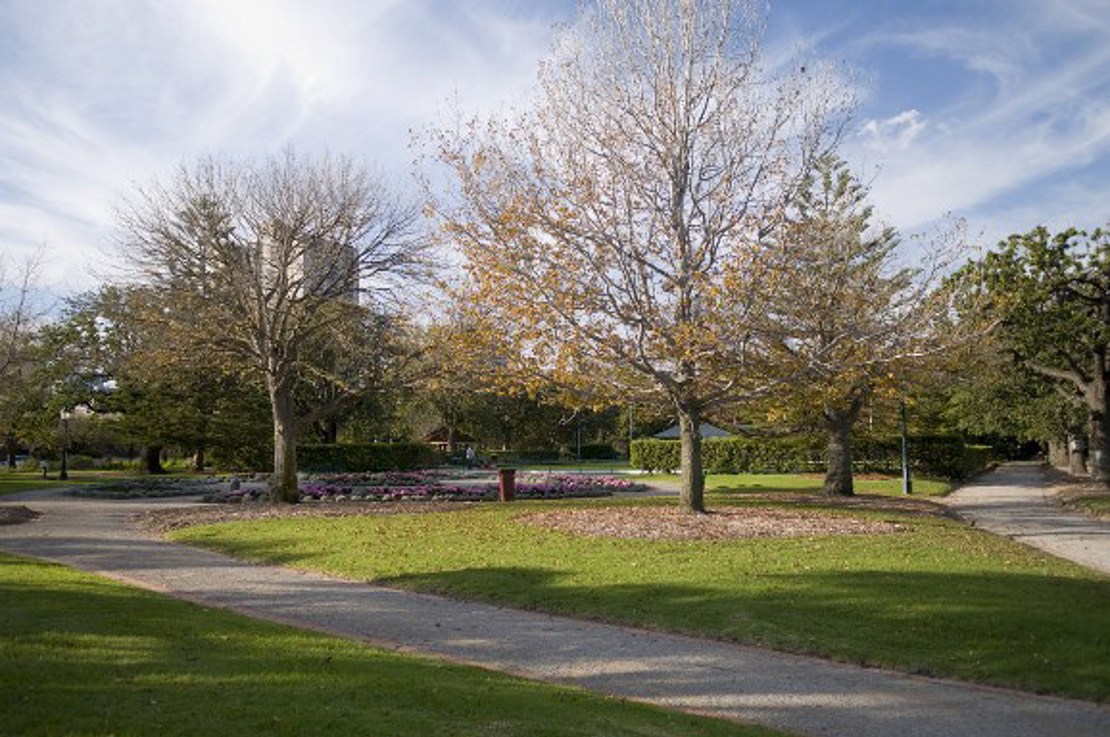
(940, 598)
(595, 466)
(81, 655)
(1096, 505)
(769, 483)
(14, 482)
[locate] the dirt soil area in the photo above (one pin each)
(13, 515)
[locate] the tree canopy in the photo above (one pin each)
(263, 264)
(850, 315)
(1050, 296)
(614, 233)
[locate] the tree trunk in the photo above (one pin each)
(199, 459)
(1058, 452)
(152, 460)
(283, 482)
(839, 424)
(1076, 450)
(838, 475)
(1098, 459)
(11, 448)
(691, 496)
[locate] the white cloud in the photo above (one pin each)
(893, 134)
(97, 96)
(1044, 115)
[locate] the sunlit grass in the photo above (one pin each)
(1096, 505)
(14, 482)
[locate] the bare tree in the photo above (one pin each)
(615, 233)
(20, 317)
(258, 263)
(18, 312)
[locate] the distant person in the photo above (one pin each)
(470, 456)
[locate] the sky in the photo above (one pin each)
(994, 111)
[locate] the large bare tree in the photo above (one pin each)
(261, 263)
(615, 232)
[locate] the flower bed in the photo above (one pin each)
(426, 486)
(147, 488)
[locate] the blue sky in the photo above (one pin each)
(997, 111)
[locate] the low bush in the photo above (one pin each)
(598, 452)
(364, 457)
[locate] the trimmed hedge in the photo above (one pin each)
(351, 457)
(947, 456)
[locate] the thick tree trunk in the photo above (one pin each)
(152, 460)
(691, 496)
(838, 476)
(839, 424)
(283, 482)
(1057, 452)
(11, 448)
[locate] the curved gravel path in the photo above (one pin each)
(804, 695)
(1016, 501)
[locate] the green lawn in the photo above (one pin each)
(81, 655)
(1097, 505)
(14, 482)
(593, 466)
(769, 483)
(939, 598)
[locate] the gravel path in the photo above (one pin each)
(1016, 501)
(805, 695)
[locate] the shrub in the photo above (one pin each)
(598, 452)
(364, 456)
(654, 455)
(946, 456)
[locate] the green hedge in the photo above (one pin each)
(947, 456)
(353, 457)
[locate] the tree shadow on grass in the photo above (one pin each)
(1026, 631)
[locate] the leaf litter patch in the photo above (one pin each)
(668, 523)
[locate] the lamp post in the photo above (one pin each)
(64, 473)
(907, 482)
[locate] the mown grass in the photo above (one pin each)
(81, 655)
(1095, 505)
(939, 598)
(14, 482)
(770, 483)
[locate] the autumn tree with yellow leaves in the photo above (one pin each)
(616, 232)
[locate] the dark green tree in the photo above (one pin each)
(1049, 295)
